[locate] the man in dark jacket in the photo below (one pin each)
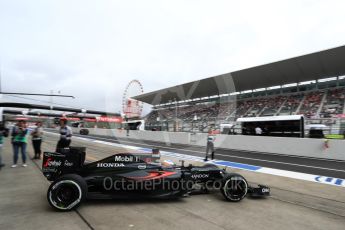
(37, 135)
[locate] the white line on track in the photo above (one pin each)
(286, 163)
(286, 155)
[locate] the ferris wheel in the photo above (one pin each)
(130, 106)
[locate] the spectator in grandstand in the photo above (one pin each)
(3, 133)
(65, 135)
(210, 145)
(19, 141)
(258, 130)
(37, 140)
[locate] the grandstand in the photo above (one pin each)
(312, 85)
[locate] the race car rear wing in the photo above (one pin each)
(71, 160)
(68, 160)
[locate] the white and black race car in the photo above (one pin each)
(134, 175)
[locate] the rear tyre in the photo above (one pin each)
(234, 187)
(67, 192)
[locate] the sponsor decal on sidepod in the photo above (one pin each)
(126, 159)
(200, 176)
(110, 165)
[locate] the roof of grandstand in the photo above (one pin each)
(319, 65)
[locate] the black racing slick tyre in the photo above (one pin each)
(67, 192)
(234, 187)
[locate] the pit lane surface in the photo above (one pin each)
(293, 205)
(324, 167)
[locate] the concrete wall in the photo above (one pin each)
(291, 146)
(167, 137)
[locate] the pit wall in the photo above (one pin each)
(279, 145)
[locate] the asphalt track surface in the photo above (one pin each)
(293, 204)
(316, 166)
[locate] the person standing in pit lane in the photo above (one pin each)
(65, 135)
(210, 145)
(19, 141)
(3, 133)
(37, 134)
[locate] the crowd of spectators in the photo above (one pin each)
(334, 103)
(272, 106)
(311, 104)
(291, 104)
(243, 107)
(307, 103)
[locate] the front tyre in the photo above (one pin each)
(234, 187)
(67, 192)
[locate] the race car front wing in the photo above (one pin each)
(259, 191)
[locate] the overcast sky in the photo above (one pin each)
(92, 49)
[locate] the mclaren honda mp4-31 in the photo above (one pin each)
(135, 175)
